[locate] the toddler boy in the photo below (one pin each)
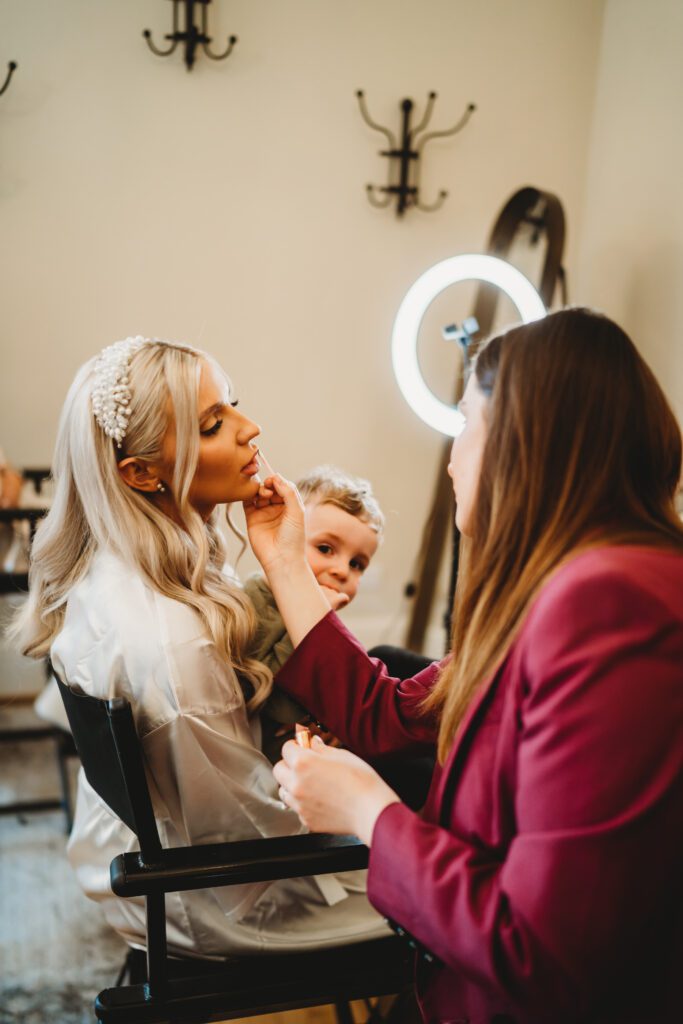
(344, 525)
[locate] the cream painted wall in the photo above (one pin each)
(226, 207)
(631, 245)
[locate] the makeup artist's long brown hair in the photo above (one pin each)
(582, 449)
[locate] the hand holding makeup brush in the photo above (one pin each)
(275, 524)
(332, 790)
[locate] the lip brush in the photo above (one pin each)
(261, 457)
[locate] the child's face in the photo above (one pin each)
(339, 547)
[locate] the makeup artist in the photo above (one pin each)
(542, 881)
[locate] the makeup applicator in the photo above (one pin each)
(261, 457)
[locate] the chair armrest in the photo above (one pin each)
(251, 860)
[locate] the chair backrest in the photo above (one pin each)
(109, 749)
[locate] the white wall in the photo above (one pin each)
(631, 246)
(226, 207)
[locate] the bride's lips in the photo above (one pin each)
(252, 467)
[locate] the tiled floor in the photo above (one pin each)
(56, 950)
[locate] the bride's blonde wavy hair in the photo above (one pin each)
(94, 508)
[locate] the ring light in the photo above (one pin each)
(437, 414)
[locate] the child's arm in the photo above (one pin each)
(271, 645)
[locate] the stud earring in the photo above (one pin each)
(160, 487)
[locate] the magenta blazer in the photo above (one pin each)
(542, 881)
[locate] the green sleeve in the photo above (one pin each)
(272, 646)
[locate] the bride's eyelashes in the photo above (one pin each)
(212, 430)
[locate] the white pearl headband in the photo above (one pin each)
(110, 395)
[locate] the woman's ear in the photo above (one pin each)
(139, 475)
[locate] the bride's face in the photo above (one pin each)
(226, 468)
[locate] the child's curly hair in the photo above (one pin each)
(332, 486)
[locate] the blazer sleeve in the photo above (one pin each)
(352, 694)
(587, 886)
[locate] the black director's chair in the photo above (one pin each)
(190, 991)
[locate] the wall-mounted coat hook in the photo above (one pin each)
(404, 177)
(11, 68)
(192, 36)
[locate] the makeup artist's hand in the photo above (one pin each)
(328, 738)
(275, 523)
(332, 790)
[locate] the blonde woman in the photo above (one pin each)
(129, 598)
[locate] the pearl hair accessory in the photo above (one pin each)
(110, 394)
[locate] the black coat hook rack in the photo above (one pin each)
(403, 181)
(11, 68)
(193, 36)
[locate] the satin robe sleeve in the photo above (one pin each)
(597, 794)
(209, 776)
(208, 779)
